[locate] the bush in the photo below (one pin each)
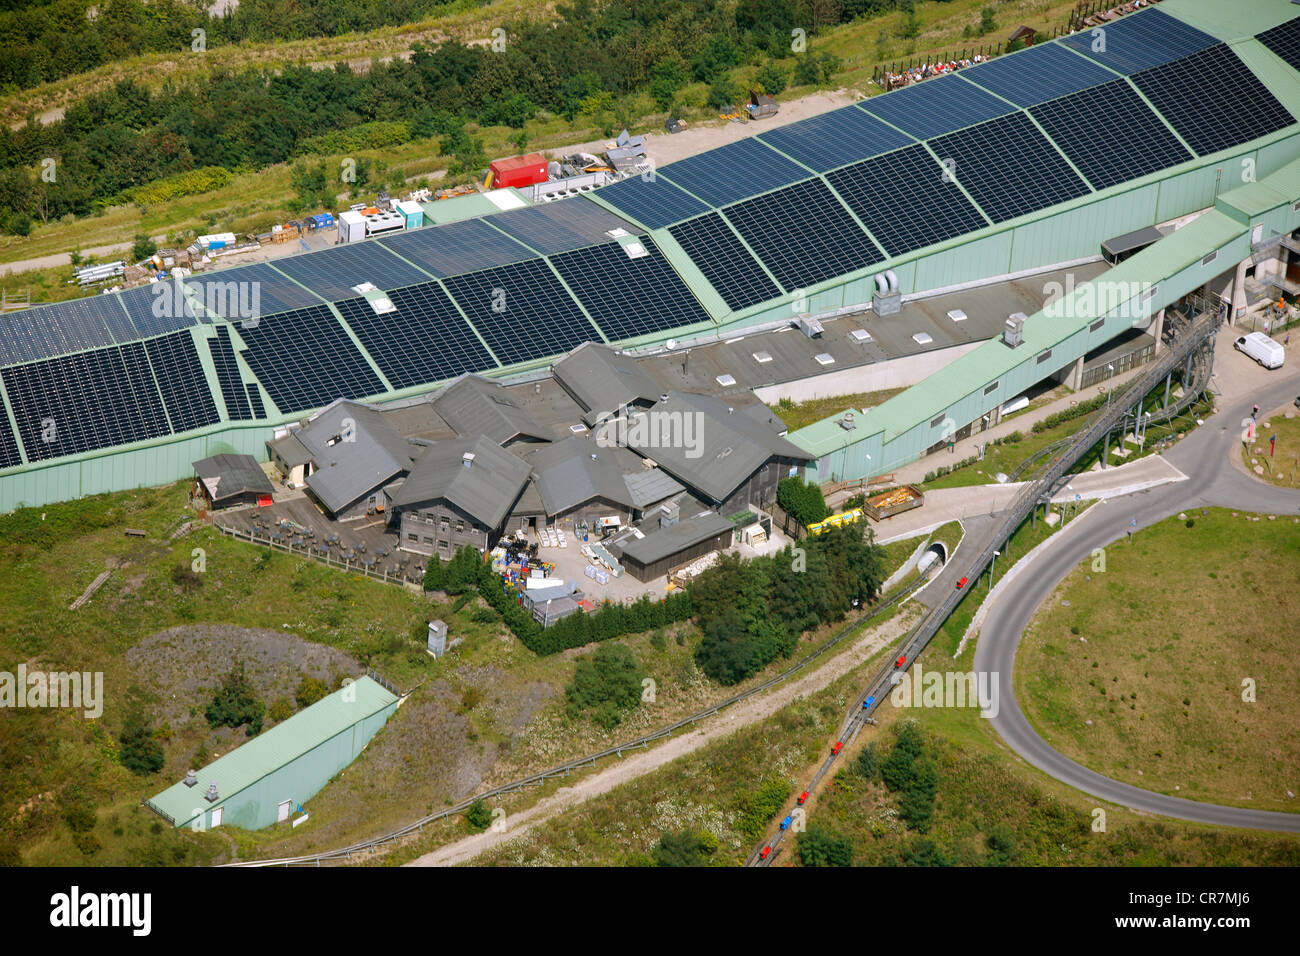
(281, 709)
(462, 570)
(235, 703)
(310, 690)
(143, 248)
(802, 500)
(1068, 414)
(755, 809)
(820, 847)
(772, 78)
(189, 183)
(607, 682)
(868, 762)
(684, 848)
(478, 816)
(142, 753)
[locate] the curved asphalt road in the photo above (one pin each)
(1204, 456)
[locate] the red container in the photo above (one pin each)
(518, 171)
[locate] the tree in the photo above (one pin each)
(722, 92)
(143, 248)
(310, 689)
(478, 816)
(21, 224)
(897, 767)
(684, 848)
(607, 682)
(462, 570)
(868, 762)
(917, 806)
(820, 847)
(667, 76)
(435, 574)
(988, 21)
(235, 703)
(772, 78)
(1001, 843)
(925, 852)
(142, 752)
(311, 187)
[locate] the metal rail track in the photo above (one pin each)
(1103, 422)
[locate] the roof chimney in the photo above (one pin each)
(1013, 334)
(211, 795)
(191, 778)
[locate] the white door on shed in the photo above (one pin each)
(284, 811)
(216, 817)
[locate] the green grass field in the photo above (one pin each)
(1140, 675)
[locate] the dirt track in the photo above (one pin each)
(630, 768)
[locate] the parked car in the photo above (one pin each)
(866, 704)
(785, 824)
(1262, 349)
(803, 798)
(765, 853)
(835, 751)
(961, 584)
(902, 659)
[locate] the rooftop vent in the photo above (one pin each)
(663, 396)
(191, 778)
(467, 459)
(847, 422)
(211, 795)
(1013, 334)
(861, 336)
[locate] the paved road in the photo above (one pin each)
(1206, 457)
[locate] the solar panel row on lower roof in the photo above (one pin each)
(9, 457)
(725, 261)
(1138, 41)
(906, 199)
(425, 340)
(803, 234)
(86, 401)
(228, 377)
(834, 139)
(561, 225)
(937, 106)
(1236, 106)
(47, 331)
(651, 200)
(255, 400)
(1284, 40)
(456, 247)
(305, 360)
(522, 311)
(1110, 134)
(331, 273)
(1037, 74)
(158, 308)
(1009, 167)
(728, 173)
(249, 292)
(629, 296)
(180, 378)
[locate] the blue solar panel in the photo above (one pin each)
(725, 261)
(9, 457)
(522, 311)
(1036, 75)
(228, 377)
(180, 378)
(1284, 40)
(938, 105)
(653, 202)
(740, 169)
(905, 199)
(158, 308)
(456, 247)
(305, 360)
(1239, 109)
(561, 225)
(629, 296)
(1139, 41)
(50, 330)
(86, 401)
(255, 400)
(1009, 167)
(835, 139)
(1110, 134)
(425, 340)
(249, 292)
(331, 273)
(803, 234)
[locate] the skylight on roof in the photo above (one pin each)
(922, 338)
(825, 358)
(762, 358)
(861, 336)
(725, 379)
(957, 315)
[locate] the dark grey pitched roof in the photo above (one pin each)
(669, 541)
(724, 447)
(601, 380)
(474, 405)
(346, 470)
(228, 475)
(486, 490)
(575, 470)
(291, 451)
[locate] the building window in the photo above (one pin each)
(1044, 357)
(460, 526)
(937, 421)
(444, 525)
(1096, 326)
(412, 537)
(428, 540)
(992, 388)
(1210, 258)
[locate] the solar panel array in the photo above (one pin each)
(331, 273)
(179, 374)
(305, 360)
(9, 457)
(803, 234)
(561, 226)
(249, 292)
(937, 106)
(158, 308)
(53, 330)
(228, 377)
(83, 402)
(834, 139)
(629, 296)
(1284, 40)
(1237, 107)
(1037, 74)
(1139, 41)
(425, 340)
(456, 247)
(734, 171)
(906, 199)
(725, 261)
(1110, 134)
(255, 400)
(1009, 167)
(522, 311)
(654, 202)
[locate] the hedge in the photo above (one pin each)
(190, 183)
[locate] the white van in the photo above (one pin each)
(1262, 349)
